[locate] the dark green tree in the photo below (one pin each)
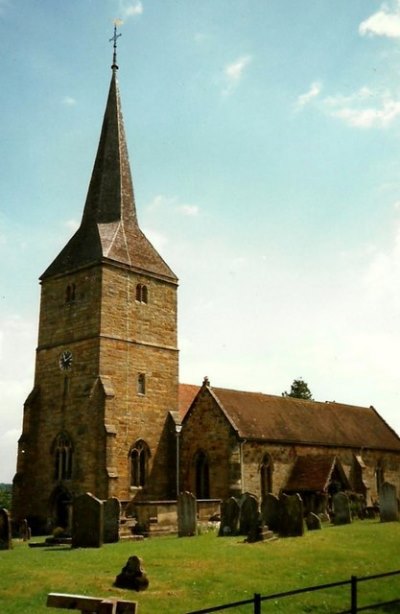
(5, 496)
(299, 390)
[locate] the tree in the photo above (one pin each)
(299, 390)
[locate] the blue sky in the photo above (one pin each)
(264, 139)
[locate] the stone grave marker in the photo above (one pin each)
(229, 517)
(5, 530)
(270, 512)
(187, 514)
(292, 521)
(388, 504)
(112, 513)
(341, 508)
(313, 522)
(249, 517)
(24, 531)
(87, 522)
(132, 575)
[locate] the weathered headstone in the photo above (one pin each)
(313, 522)
(292, 521)
(87, 522)
(341, 508)
(249, 517)
(5, 530)
(187, 514)
(112, 513)
(24, 531)
(132, 575)
(388, 504)
(270, 512)
(229, 517)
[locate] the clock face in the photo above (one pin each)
(65, 360)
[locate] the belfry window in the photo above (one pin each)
(141, 293)
(202, 473)
(70, 293)
(266, 475)
(141, 383)
(139, 460)
(62, 451)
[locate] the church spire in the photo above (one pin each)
(109, 229)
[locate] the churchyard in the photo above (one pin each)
(188, 573)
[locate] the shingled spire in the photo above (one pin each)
(109, 229)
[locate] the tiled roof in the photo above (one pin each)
(109, 229)
(254, 415)
(186, 393)
(311, 473)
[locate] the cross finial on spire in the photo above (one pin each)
(117, 22)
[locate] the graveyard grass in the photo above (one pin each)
(191, 573)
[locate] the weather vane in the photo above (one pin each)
(117, 22)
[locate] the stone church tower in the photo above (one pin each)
(106, 373)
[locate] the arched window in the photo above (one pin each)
(62, 453)
(141, 293)
(141, 383)
(202, 473)
(139, 459)
(380, 475)
(266, 475)
(70, 293)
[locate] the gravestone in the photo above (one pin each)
(5, 530)
(87, 522)
(292, 521)
(313, 522)
(270, 512)
(132, 575)
(24, 531)
(112, 512)
(388, 504)
(249, 517)
(187, 514)
(341, 508)
(229, 517)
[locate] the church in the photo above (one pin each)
(107, 413)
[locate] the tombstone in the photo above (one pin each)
(187, 514)
(132, 575)
(5, 530)
(270, 512)
(112, 513)
(249, 517)
(292, 521)
(313, 522)
(341, 508)
(24, 531)
(388, 504)
(87, 522)
(229, 517)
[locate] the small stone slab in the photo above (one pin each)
(313, 522)
(5, 530)
(341, 508)
(229, 524)
(187, 514)
(87, 522)
(388, 503)
(91, 604)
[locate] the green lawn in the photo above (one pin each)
(190, 573)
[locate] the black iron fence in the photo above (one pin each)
(257, 599)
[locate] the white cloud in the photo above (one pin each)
(71, 225)
(68, 101)
(364, 108)
(313, 92)
(190, 210)
(233, 73)
(131, 9)
(385, 22)
(161, 201)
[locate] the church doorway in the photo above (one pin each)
(202, 476)
(61, 508)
